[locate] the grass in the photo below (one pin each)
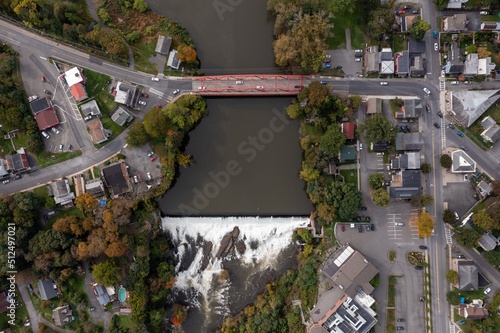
(107, 104)
(351, 177)
(394, 104)
(41, 192)
(44, 159)
(471, 136)
(62, 213)
(97, 172)
(126, 322)
(308, 130)
(96, 83)
(399, 42)
(5, 147)
(353, 21)
(391, 295)
(375, 282)
(141, 58)
(490, 17)
(392, 256)
(479, 207)
(390, 325)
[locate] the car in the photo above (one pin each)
(70, 147)
(6, 181)
(372, 226)
(400, 320)
(427, 91)
(46, 218)
(61, 147)
(460, 134)
(419, 268)
(399, 224)
(30, 287)
(360, 146)
(323, 82)
(451, 126)
(363, 208)
(329, 66)
(151, 154)
(443, 73)
(45, 135)
(55, 130)
(32, 98)
(407, 7)
(149, 175)
(358, 51)
(240, 82)
(358, 55)
(145, 95)
(463, 148)
(486, 291)
(460, 256)
(368, 227)
(327, 61)
(28, 324)
(260, 87)
(437, 125)
(435, 34)
(466, 177)
(422, 247)
(299, 87)
(367, 218)
(402, 129)
(176, 91)
(358, 60)
(155, 79)
(476, 197)
(383, 83)
(153, 158)
(427, 108)
(142, 102)
(159, 106)
(201, 88)
(342, 227)
(454, 82)
(18, 177)
(483, 12)
(401, 12)
(467, 82)
(135, 179)
(92, 309)
(111, 89)
(457, 217)
(352, 225)
(400, 328)
(43, 78)
(87, 118)
(440, 114)
(360, 228)
(436, 46)
(461, 322)
(416, 12)
(139, 177)
(47, 92)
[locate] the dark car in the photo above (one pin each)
(368, 227)
(427, 108)
(476, 197)
(460, 256)
(145, 95)
(400, 328)
(358, 55)
(360, 228)
(372, 226)
(437, 125)
(451, 126)
(407, 7)
(419, 268)
(460, 134)
(48, 92)
(17, 177)
(408, 128)
(422, 247)
(440, 114)
(367, 218)
(463, 148)
(30, 287)
(46, 218)
(342, 227)
(323, 82)
(400, 320)
(363, 208)
(403, 129)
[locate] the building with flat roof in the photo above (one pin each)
(62, 315)
(405, 184)
(373, 105)
(462, 163)
(40, 104)
(410, 160)
(372, 59)
(74, 76)
(79, 182)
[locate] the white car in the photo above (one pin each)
(55, 130)
(352, 225)
(427, 91)
(32, 98)
(399, 224)
(360, 146)
(201, 88)
(486, 291)
(436, 46)
(454, 82)
(240, 82)
(155, 79)
(149, 175)
(135, 179)
(142, 102)
(358, 51)
(45, 135)
(457, 217)
(358, 59)
(176, 91)
(384, 83)
(443, 73)
(260, 87)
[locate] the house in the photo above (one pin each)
(79, 182)
(47, 289)
(405, 184)
(490, 26)
(410, 160)
(116, 177)
(387, 67)
(471, 64)
(372, 59)
(346, 306)
(90, 109)
(5, 301)
(415, 48)
(403, 63)
(468, 105)
(173, 60)
(78, 92)
(120, 116)
(409, 141)
(61, 192)
(496, 75)
(462, 163)
(455, 23)
(3, 168)
(470, 311)
(62, 315)
(76, 80)
(416, 53)
(491, 134)
(488, 242)
(40, 104)
(455, 4)
(412, 109)
(373, 105)
(163, 45)
(348, 130)
(484, 188)
(453, 69)
(100, 294)
(485, 66)
(347, 154)
(44, 113)
(127, 94)
(97, 133)
(381, 145)
(468, 275)
(17, 162)
(96, 187)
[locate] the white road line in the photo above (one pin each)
(443, 134)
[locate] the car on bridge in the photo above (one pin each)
(323, 82)
(240, 82)
(260, 87)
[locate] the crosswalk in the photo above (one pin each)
(443, 134)
(448, 234)
(452, 327)
(442, 85)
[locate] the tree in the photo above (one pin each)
(380, 22)
(137, 135)
(381, 197)
(452, 276)
(441, 4)
(493, 257)
(308, 174)
(377, 128)
(453, 297)
(34, 143)
(350, 203)
(140, 5)
(426, 200)
(449, 216)
(445, 161)
(426, 168)
(468, 237)
(418, 29)
(326, 212)
(180, 313)
(86, 202)
(484, 221)
(482, 53)
(106, 273)
(356, 101)
(186, 54)
(471, 49)
(26, 200)
(425, 224)
(156, 123)
(332, 141)
(376, 181)
(294, 110)
(116, 249)
(342, 6)
(317, 93)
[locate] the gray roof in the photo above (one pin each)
(403, 63)
(373, 105)
(62, 315)
(469, 105)
(163, 45)
(126, 94)
(90, 108)
(454, 69)
(387, 67)
(46, 289)
(485, 188)
(382, 145)
(410, 160)
(19, 162)
(416, 48)
(457, 22)
(417, 67)
(115, 178)
(488, 242)
(372, 62)
(412, 108)
(411, 182)
(492, 133)
(59, 188)
(3, 170)
(462, 162)
(95, 186)
(173, 61)
(471, 64)
(385, 55)
(412, 141)
(468, 276)
(40, 104)
(120, 116)
(487, 122)
(399, 142)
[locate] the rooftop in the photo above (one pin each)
(471, 64)
(163, 45)
(47, 119)
(403, 63)
(78, 92)
(74, 76)
(469, 105)
(412, 141)
(90, 109)
(412, 108)
(96, 132)
(62, 315)
(126, 94)
(487, 122)
(347, 153)
(46, 289)
(387, 67)
(43, 103)
(348, 130)
(373, 105)
(462, 162)
(468, 276)
(120, 116)
(488, 242)
(116, 177)
(405, 184)
(456, 22)
(173, 61)
(416, 48)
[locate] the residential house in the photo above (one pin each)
(405, 184)
(47, 289)
(117, 178)
(455, 4)
(173, 60)
(90, 109)
(488, 242)
(484, 188)
(455, 23)
(100, 294)
(386, 62)
(127, 94)
(490, 26)
(372, 59)
(111, 291)
(163, 45)
(496, 75)
(412, 108)
(373, 105)
(471, 65)
(348, 130)
(491, 130)
(468, 275)
(381, 145)
(125, 311)
(97, 132)
(410, 160)
(3, 168)
(485, 66)
(95, 187)
(403, 63)
(79, 93)
(5, 301)
(79, 182)
(416, 57)
(44, 113)
(347, 154)
(62, 315)
(76, 80)
(17, 162)
(120, 116)
(471, 311)
(409, 141)
(61, 192)
(468, 105)
(462, 163)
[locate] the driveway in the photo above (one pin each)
(34, 319)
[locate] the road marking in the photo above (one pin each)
(10, 33)
(43, 58)
(448, 234)
(452, 327)
(437, 278)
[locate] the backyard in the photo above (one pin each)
(350, 177)
(352, 20)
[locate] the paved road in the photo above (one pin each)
(34, 319)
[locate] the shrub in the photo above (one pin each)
(426, 168)
(445, 161)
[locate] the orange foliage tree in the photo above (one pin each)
(187, 54)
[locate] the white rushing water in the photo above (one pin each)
(265, 239)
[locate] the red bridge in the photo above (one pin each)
(239, 85)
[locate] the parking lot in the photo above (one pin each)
(140, 164)
(460, 196)
(346, 59)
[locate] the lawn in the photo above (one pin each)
(353, 21)
(399, 42)
(41, 192)
(107, 104)
(141, 58)
(308, 130)
(44, 159)
(97, 172)
(96, 82)
(62, 213)
(375, 282)
(350, 177)
(5, 147)
(490, 17)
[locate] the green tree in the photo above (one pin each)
(34, 143)
(445, 161)
(26, 200)
(308, 174)
(137, 135)
(448, 216)
(140, 5)
(418, 29)
(294, 110)
(380, 22)
(493, 257)
(453, 297)
(484, 221)
(416, 201)
(472, 48)
(156, 124)
(326, 213)
(426, 168)
(426, 200)
(106, 272)
(356, 101)
(376, 180)
(377, 128)
(332, 141)
(381, 197)
(350, 203)
(452, 276)
(468, 237)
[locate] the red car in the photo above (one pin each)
(43, 78)
(342, 227)
(401, 12)
(145, 95)
(153, 158)
(159, 106)
(139, 177)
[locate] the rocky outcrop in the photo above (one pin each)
(240, 246)
(207, 249)
(228, 242)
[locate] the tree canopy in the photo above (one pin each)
(418, 29)
(376, 181)
(106, 273)
(377, 128)
(445, 161)
(452, 276)
(448, 216)
(332, 141)
(484, 221)
(381, 197)
(425, 224)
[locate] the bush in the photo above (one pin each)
(121, 156)
(449, 216)
(453, 297)
(445, 161)
(376, 181)
(426, 168)
(133, 37)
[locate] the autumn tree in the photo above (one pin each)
(425, 224)
(140, 5)
(317, 93)
(180, 313)
(85, 202)
(381, 197)
(376, 180)
(484, 221)
(64, 223)
(186, 54)
(137, 135)
(326, 213)
(308, 173)
(332, 141)
(116, 249)
(380, 22)
(482, 53)
(468, 237)
(96, 242)
(106, 273)
(452, 276)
